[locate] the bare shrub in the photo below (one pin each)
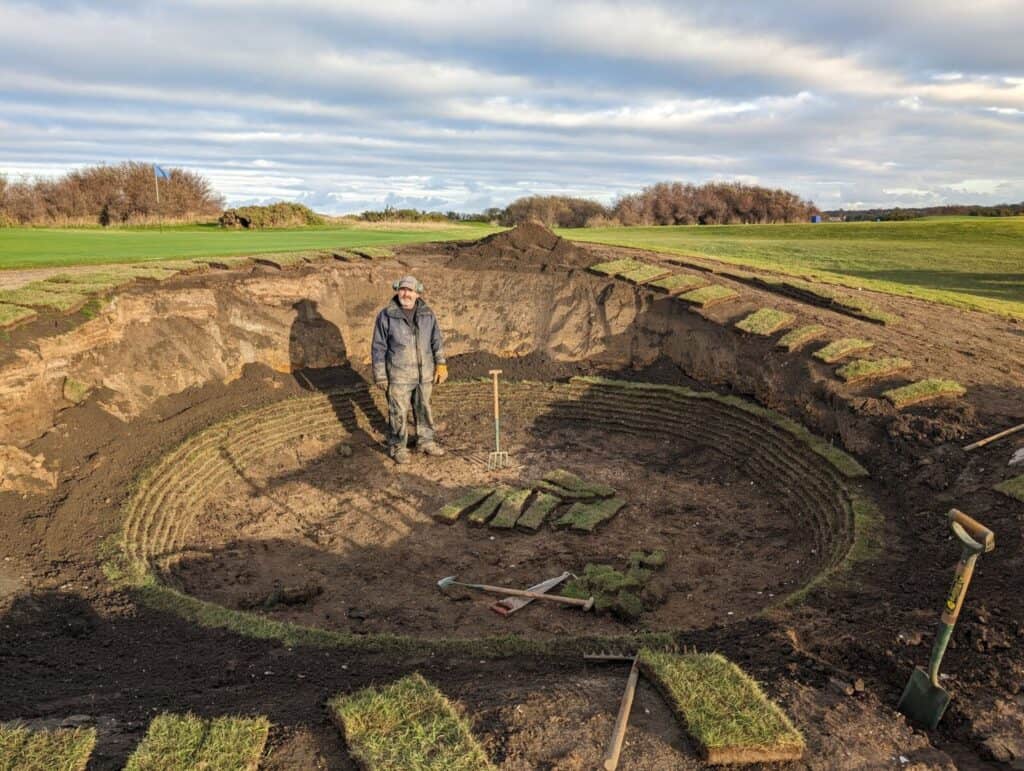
(275, 215)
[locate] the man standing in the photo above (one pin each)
(408, 359)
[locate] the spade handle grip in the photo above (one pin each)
(974, 529)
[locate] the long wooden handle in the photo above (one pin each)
(535, 595)
(994, 437)
(974, 529)
(611, 757)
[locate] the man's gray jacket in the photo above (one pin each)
(404, 352)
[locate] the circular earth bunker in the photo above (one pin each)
(294, 511)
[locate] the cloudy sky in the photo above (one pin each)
(463, 105)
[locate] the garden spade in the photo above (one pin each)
(496, 459)
(587, 604)
(924, 700)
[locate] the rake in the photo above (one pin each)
(496, 459)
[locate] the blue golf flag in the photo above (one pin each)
(159, 173)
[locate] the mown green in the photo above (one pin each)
(55, 247)
(968, 262)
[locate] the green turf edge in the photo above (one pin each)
(38, 297)
(765, 321)
(724, 709)
(1013, 487)
(838, 349)
(612, 267)
(12, 315)
(180, 742)
(709, 295)
(407, 724)
(923, 390)
(678, 283)
(867, 369)
(841, 461)
(801, 336)
(22, 749)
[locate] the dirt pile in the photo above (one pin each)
(529, 244)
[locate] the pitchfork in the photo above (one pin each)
(496, 459)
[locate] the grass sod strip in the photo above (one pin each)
(538, 510)
(585, 517)
(678, 282)
(487, 509)
(37, 297)
(510, 509)
(1013, 487)
(801, 336)
(153, 272)
(613, 267)
(95, 280)
(183, 742)
(226, 263)
(408, 724)
(14, 314)
(922, 391)
(286, 260)
(841, 348)
(452, 511)
(644, 275)
(723, 709)
(706, 296)
(765, 321)
(62, 750)
(868, 369)
(572, 483)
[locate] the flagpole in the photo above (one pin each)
(156, 186)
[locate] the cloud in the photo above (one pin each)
(461, 105)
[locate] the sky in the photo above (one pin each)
(464, 105)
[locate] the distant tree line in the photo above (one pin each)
(107, 195)
(888, 215)
(667, 203)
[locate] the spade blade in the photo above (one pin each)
(923, 702)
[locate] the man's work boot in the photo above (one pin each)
(433, 449)
(400, 455)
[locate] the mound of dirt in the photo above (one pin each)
(529, 244)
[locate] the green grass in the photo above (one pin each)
(615, 267)
(408, 724)
(572, 483)
(510, 509)
(969, 262)
(709, 295)
(585, 517)
(765, 321)
(723, 708)
(56, 247)
(643, 274)
(679, 282)
(482, 513)
(922, 391)
(538, 510)
(35, 296)
(452, 511)
(62, 750)
(801, 336)
(11, 315)
(1013, 487)
(869, 369)
(841, 348)
(184, 742)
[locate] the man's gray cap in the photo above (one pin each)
(408, 282)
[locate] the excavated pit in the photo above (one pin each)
(295, 512)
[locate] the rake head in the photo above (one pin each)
(497, 460)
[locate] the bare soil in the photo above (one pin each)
(73, 648)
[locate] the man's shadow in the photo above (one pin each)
(319, 362)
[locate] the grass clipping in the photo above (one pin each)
(61, 750)
(724, 710)
(182, 742)
(407, 724)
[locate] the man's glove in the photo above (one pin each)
(440, 373)
(382, 385)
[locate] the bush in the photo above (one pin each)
(109, 195)
(275, 215)
(554, 211)
(714, 203)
